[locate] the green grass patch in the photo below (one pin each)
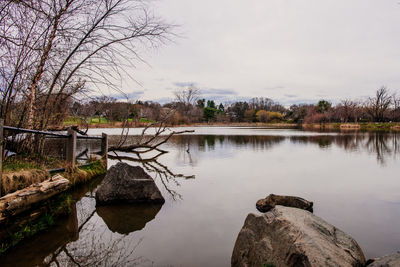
(96, 167)
(28, 162)
(144, 120)
(376, 126)
(16, 165)
(72, 121)
(94, 120)
(85, 173)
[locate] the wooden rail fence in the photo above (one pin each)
(71, 136)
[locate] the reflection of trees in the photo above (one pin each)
(95, 249)
(384, 145)
(189, 148)
(321, 141)
(209, 142)
(160, 170)
(76, 240)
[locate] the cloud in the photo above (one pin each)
(124, 96)
(227, 99)
(290, 96)
(163, 100)
(274, 88)
(321, 95)
(184, 84)
(218, 92)
(272, 48)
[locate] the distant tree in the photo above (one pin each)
(209, 114)
(187, 96)
(323, 106)
(211, 104)
(238, 109)
(396, 108)
(221, 108)
(377, 106)
(201, 103)
(259, 103)
(250, 115)
(262, 115)
(299, 112)
(347, 110)
(274, 116)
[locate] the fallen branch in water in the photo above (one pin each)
(160, 170)
(149, 145)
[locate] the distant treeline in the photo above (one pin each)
(189, 107)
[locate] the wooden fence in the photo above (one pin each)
(71, 136)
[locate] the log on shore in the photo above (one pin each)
(23, 200)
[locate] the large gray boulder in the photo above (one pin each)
(288, 236)
(128, 184)
(392, 260)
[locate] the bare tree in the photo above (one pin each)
(53, 50)
(396, 108)
(187, 96)
(347, 110)
(378, 105)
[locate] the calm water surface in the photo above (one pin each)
(211, 181)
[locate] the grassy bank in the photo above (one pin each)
(42, 215)
(22, 171)
(39, 219)
(85, 173)
(366, 126)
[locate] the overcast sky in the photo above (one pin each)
(292, 51)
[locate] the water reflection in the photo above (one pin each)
(125, 219)
(382, 145)
(159, 171)
(340, 172)
(75, 240)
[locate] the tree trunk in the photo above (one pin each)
(23, 200)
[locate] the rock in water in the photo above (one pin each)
(293, 237)
(272, 200)
(128, 184)
(387, 261)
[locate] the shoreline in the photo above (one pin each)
(364, 126)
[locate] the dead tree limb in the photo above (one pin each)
(162, 171)
(151, 144)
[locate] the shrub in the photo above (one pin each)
(273, 116)
(262, 116)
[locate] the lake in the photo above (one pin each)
(212, 179)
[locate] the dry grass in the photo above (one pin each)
(350, 126)
(84, 174)
(13, 181)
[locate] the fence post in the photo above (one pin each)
(1, 156)
(104, 147)
(71, 147)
